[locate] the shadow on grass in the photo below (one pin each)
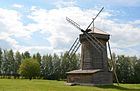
(117, 88)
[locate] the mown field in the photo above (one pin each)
(50, 85)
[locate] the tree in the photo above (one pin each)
(56, 63)
(48, 66)
(125, 68)
(137, 71)
(5, 64)
(11, 62)
(51, 67)
(37, 56)
(0, 60)
(18, 59)
(26, 54)
(29, 68)
(43, 67)
(69, 64)
(65, 64)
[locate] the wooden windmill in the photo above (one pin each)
(94, 68)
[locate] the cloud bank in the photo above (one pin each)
(59, 35)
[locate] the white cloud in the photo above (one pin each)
(7, 42)
(60, 33)
(11, 23)
(127, 52)
(11, 26)
(34, 49)
(17, 5)
(136, 22)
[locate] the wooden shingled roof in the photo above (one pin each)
(96, 30)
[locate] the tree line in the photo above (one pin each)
(51, 66)
(54, 67)
(127, 68)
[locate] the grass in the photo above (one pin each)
(50, 85)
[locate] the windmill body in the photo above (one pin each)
(94, 66)
(93, 57)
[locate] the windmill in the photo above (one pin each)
(94, 63)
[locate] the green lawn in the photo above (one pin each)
(50, 85)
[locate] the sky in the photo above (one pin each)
(41, 26)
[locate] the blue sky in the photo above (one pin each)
(40, 25)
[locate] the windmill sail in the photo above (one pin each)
(73, 49)
(93, 42)
(95, 18)
(74, 24)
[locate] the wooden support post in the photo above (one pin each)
(113, 64)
